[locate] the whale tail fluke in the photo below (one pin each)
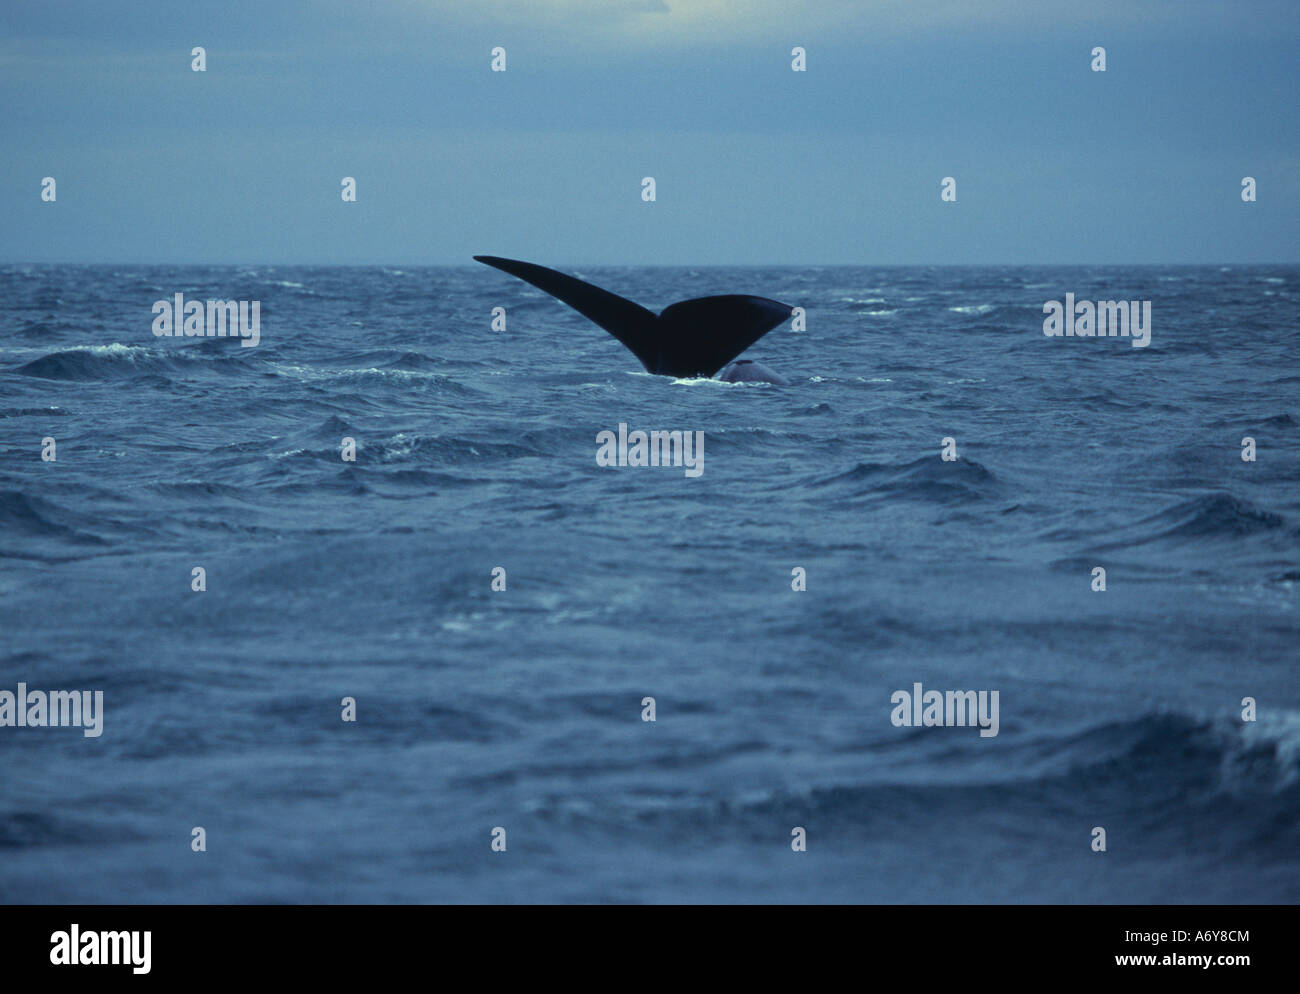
(630, 323)
(701, 336)
(690, 338)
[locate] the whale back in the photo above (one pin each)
(748, 371)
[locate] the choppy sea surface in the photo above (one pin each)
(522, 709)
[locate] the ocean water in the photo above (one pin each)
(521, 709)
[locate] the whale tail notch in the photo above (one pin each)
(690, 338)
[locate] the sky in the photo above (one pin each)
(754, 164)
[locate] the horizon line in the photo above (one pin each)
(650, 265)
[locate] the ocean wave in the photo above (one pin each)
(118, 361)
(53, 411)
(1146, 779)
(449, 450)
(1209, 516)
(926, 478)
(35, 517)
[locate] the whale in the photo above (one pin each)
(695, 338)
(749, 371)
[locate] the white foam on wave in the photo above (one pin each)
(1278, 729)
(694, 381)
(311, 373)
(397, 446)
(117, 348)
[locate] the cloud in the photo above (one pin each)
(652, 22)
